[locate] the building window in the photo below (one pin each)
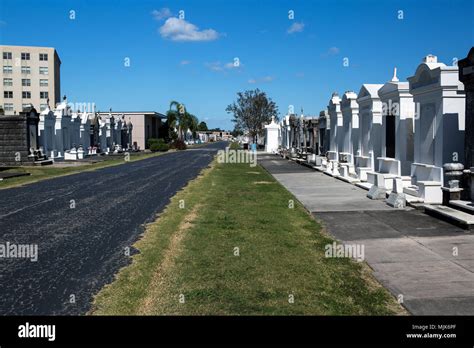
(25, 82)
(25, 106)
(7, 82)
(43, 70)
(25, 56)
(43, 107)
(43, 95)
(7, 55)
(43, 83)
(26, 95)
(25, 70)
(7, 69)
(7, 94)
(8, 107)
(43, 56)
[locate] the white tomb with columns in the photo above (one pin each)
(370, 116)
(75, 128)
(117, 135)
(46, 133)
(294, 135)
(324, 134)
(324, 129)
(85, 130)
(335, 119)
(349, 134)
(63, 129)
(285, 132)
(439, 127)
(271, 136)
(71, 154)
(396, 137)
(103, 134)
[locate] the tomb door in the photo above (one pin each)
(49, 139)
(390, 136)
(65, 139)
(322, 141)
(33, 143)
(364, 133)
(427, 117)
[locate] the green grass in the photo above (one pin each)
(38, 173)
(190, 252)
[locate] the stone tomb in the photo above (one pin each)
(349, 134)
(19, 139)
(46, 126)
(370, 114)
(311, 138)
(63, 129)
(335, 118)
(396, 135)
(439, 127)
(466, 76)
(324, 134)
(271, 136)
(397, 128)
(285, 136)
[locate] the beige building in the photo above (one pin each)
(30, 75)
(146, 125)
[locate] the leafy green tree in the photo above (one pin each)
(251, 111)
(202, 126)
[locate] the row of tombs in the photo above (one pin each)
(404, 142)
(61, 134)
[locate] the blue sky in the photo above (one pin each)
(296, 61)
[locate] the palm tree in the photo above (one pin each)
(191, 122)
(175, 117)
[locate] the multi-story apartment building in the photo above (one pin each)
(29, 75)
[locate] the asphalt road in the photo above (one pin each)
(81, 248)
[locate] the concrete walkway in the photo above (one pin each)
(410, 252)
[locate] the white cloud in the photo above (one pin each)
(218, 66)
(262, 80)
(296, 27)
(185, 62)
(176, 29)
(215, 66)
(165, 12)
(332, 51)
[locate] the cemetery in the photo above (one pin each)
(61, 134)
(410, 143)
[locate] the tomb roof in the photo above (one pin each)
(335, 99)
(369, 90)
(393, 85)
(349, 95)
(434, 74)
